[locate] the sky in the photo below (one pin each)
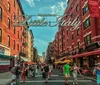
(43, 35)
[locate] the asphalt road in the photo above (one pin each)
(57, 78)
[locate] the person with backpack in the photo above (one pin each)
(46, 71)
(17, 73)
(13, 71)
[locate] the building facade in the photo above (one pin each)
(35, 53)
(83, 36)
(50, 53)
(13, 40)
(31, 45)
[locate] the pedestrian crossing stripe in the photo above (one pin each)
(51, 75)
(54, 81)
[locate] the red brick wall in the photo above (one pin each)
(67, 39)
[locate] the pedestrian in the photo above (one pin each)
(66, 70)
(36, 71)
(75, 73)
(97, 72)
(17, 73)
(50, 70)
(13, 71)
(46, 70)
(24, 74)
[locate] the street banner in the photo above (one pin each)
(94, 8)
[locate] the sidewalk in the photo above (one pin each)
(88, 77)
(5, 78)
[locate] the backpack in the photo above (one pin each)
(13, 70)
(46, 68)
(17, 71)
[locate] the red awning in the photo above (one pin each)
(96, 52)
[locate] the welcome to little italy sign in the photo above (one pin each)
(60, 21)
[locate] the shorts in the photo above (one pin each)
(98, 79)
(13, 77)
(74, 75)
(67, 75)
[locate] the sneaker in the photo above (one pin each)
(73, 83)
(76, 83)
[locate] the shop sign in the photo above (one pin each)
(2, 50)
(4, 62)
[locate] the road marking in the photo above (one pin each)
(40, 81)
(51, 75)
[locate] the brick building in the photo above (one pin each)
(80, 41)
(12, 39)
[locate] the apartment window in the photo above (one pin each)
(14, 30)
(18, 11)
(8, 23)
(77, 8)
(72, 36)
(18, 34)
(14, 16)
(72, 47)
(67, 32)
(14, 3)
(8, 41)
(78, 32)
(87, 39)
(21, 48)
(78, 44)
(0, 35)
(85, 9)
(86, 24)
(0, 13)
(8, 6)
(72, 15)
(17, 47)
(14, 44)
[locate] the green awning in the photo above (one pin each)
(6, 57)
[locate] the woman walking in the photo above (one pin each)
(24, 74)
(74, 73)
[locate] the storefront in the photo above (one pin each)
(88, 59)
(6, 61)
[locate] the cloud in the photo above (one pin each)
(59, 8)
(32, 2)
(41, 42)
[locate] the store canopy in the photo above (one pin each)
(61, 58)
(6, 57)
(67, 61)
(29, 63)
(96, 52)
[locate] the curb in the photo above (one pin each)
(91, 79)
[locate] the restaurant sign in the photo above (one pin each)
(4, 62)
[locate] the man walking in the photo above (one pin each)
(46, 70)
(66, 70)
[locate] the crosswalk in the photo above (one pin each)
(51, 75)
(55, 81)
